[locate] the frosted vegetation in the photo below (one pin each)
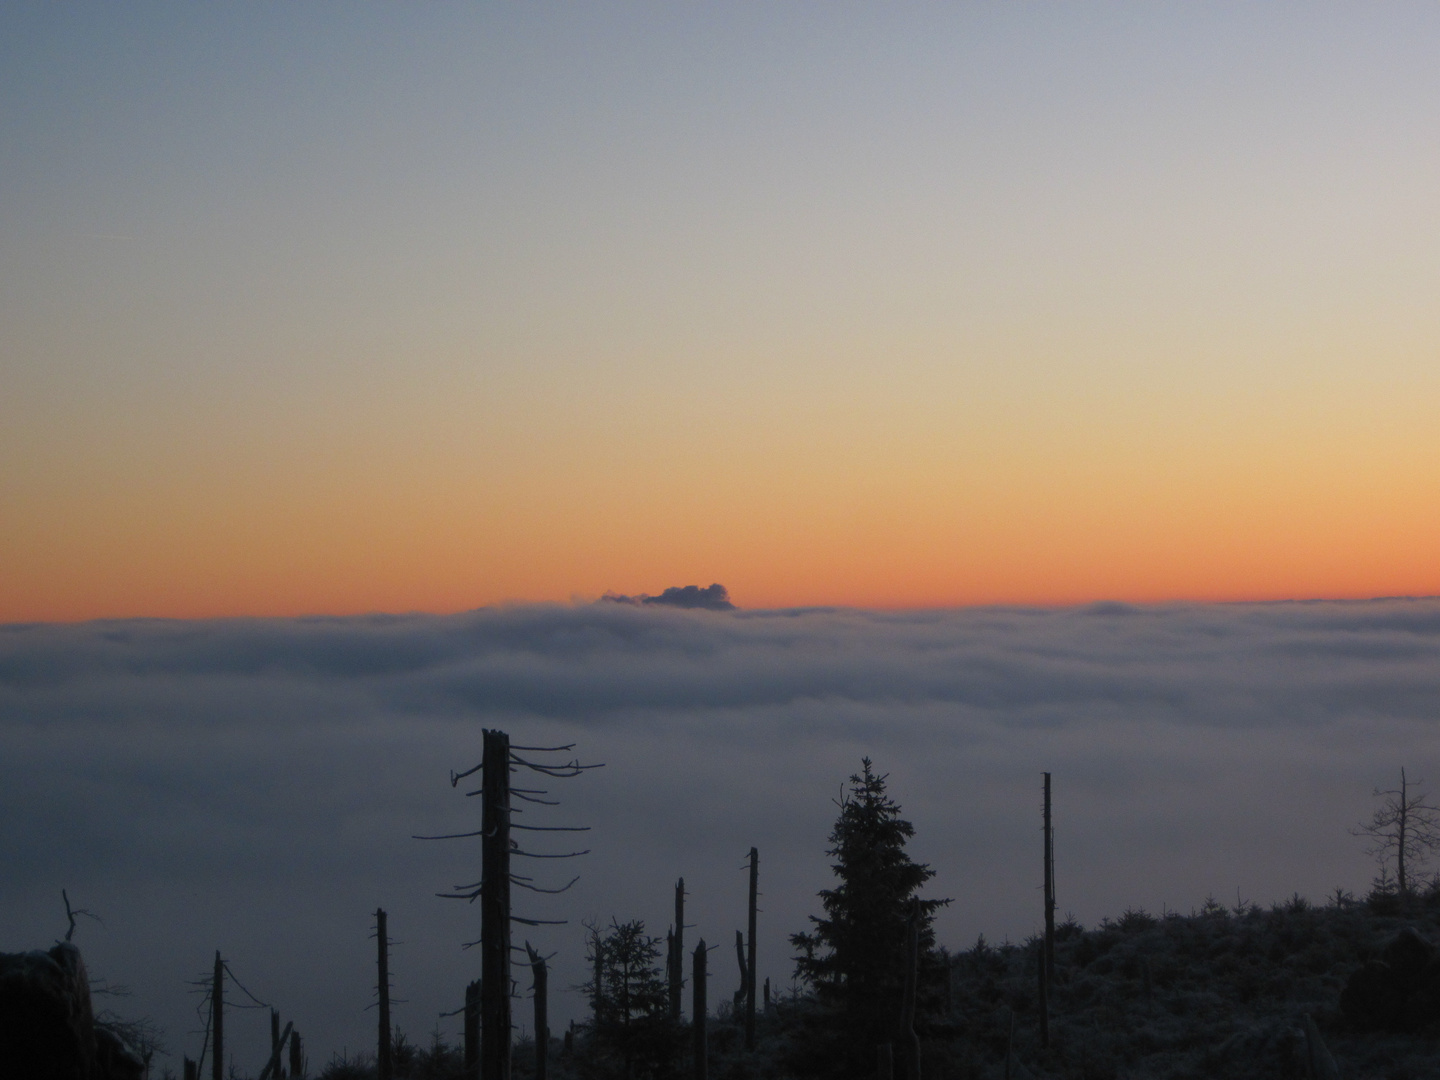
(1227, 990)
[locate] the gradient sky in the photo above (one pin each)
(307, 308)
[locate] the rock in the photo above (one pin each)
(114, 1059)
(47, 1027)
(1398, 992)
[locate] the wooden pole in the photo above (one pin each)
(217, 1020)
(495, 910)
(384, 1065)
(274, 1033)
(750, 959)
(697, 1010)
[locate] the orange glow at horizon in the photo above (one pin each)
(944, 307)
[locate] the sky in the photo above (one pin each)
(1050, 386)
(253, 785)
(319, 310)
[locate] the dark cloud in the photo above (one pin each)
(252, 785)
(712, 598)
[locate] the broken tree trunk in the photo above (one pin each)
(217, 1020)
(272, 1067)
(750, 960)
(384, 1065)
(495, 910)
(472, 1030)
(1049, 889)
(744, 971)
(697, 1011)
(297, 1058)
(677, 954)
(1044, 995)
(542, 1021)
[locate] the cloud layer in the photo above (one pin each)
(253, 785)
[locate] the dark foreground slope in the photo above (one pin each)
(1219, 993)
(1222, 992)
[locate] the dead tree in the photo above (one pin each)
(213, 988)
(1405, 826)
(217, 1020)
(1049, 890)
(493, 889)
(472, 1030)
(1044, 995)
(750, 960)
(697, 1011)
(384, 1064)
(744, 971)
(297, 1057)
(272, 1067)
(542, 1029)
(676, 967)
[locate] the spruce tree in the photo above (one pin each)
(632, 1033)
(853, 958)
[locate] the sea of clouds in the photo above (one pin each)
(253, 785)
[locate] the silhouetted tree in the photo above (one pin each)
(1404, 827)
(855, 957)
(632, 1027)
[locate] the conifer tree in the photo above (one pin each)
(854, 956)
(632, 1026)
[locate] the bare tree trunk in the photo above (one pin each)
(297, 1057)
(217, 1020)
(542, 1023)
(472, 1030)
(384, 1066)
(744, 971)
(677, 953)
(191, 1072)
(495, 910)
(1049, 889)
(272, 1067)
(274, 1032)
(750, 960)
(697, 1011)
(1400, 847)
(1044, 995)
